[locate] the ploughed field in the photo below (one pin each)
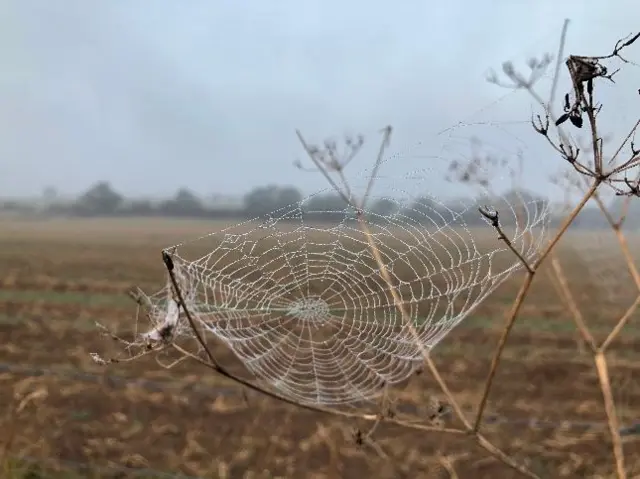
(61, 412)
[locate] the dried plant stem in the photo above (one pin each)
(584, 102)
(572, 305)
(616, 226)
(624, 210)
(588, 105)
(521, 296)
(620, 324)
(447, 464)
(384, 272)
(481, 440)
(511, 318)
(399, 304)
(503, 237)
(559, 59)
(627, 139)
(569, 303)
(600, 361)
(612, 415)
(624, 247)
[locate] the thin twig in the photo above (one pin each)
(383, 146)
(561, 292)
(559, 62)
(519, 301)
(620, 324)
(573, 306)
(332, 412)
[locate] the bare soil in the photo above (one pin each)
(546, 408)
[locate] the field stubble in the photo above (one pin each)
(58, 277)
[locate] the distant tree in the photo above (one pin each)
(99, 200)
(265, 200)
(140, 208)
(17, 207)
(184, 203)
(424, 210)
(288, 195)
(328, 202)
(328, 207)
(384, 207)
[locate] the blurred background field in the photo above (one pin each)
(139, 419)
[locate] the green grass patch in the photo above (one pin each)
(17, 468)
(66, 297)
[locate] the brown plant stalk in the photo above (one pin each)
(345, 193)
(585, 104)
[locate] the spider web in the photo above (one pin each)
(298, 297)
(300, 300)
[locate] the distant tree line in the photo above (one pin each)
(102, 200)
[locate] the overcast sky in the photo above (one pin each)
(155, 95)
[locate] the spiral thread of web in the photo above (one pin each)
(304, 306)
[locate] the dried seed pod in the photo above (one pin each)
(562, 119)
(576, 120)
